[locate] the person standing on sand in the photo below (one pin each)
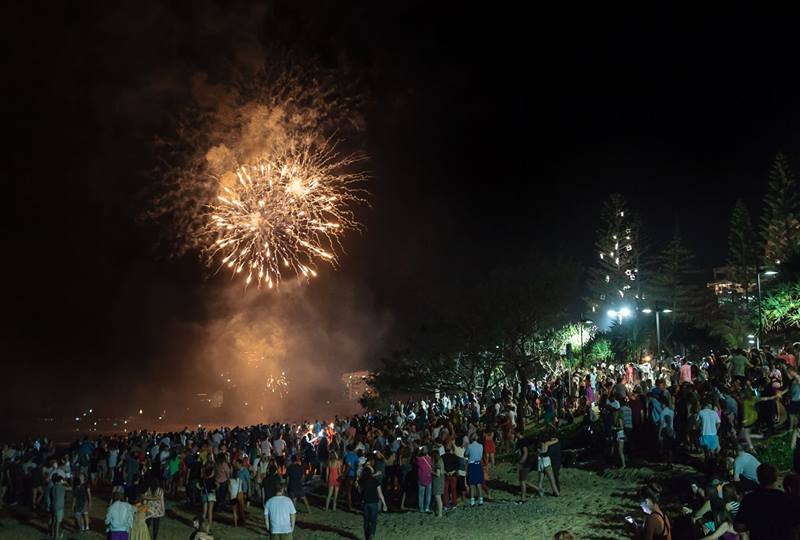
(474, 455)
(373, 500)
(280, 515)
(295, 487)
(545, 467)
(81, 502)
(618, 430)
(119, 518)
(437, 485)
(334, 470)
(139, 529)
(527, 451)
(154, 502)
(450, 463)
(54, 498)
(709, 423)
(424, 480)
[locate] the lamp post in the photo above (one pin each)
(759, 272)
(658, 312)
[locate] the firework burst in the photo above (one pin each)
(283, 213)
(251, 179)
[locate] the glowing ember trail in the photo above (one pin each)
(283, 213)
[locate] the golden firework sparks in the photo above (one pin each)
(277, 384)
(284, 213)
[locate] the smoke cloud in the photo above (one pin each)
(273, 357)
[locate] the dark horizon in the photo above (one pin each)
(492, 138)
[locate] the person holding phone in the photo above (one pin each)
(656, 523)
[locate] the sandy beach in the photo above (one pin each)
(592, 507)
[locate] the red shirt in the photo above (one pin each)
(788, 358)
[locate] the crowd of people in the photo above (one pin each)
(436, 454)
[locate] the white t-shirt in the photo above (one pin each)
(279, 510)
(266, 447)
(708, 420)
(234, 486)
(445, 403)
(279, 446)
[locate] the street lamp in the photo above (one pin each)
(759, 273)
(622, 313)
(658, 326)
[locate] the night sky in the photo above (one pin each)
(493, 135)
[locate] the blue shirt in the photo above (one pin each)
(474, 452)
(655, 410)
(745, 465)
(352, 463)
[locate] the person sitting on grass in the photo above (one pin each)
(656, 524)
(201, 530)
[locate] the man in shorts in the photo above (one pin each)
(474, 455)
(709, 422)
